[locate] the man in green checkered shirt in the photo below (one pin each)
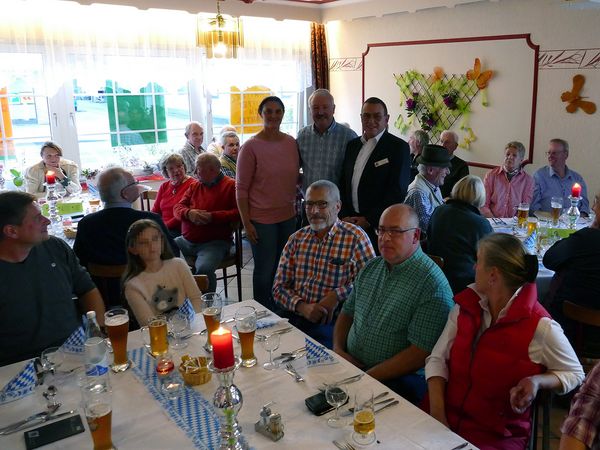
(397, 309)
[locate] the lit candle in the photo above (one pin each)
(50, 177)
(222, 348)
(576, 190)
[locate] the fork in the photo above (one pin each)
(343, 445)
(293, 372)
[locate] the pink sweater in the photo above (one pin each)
(266, 175)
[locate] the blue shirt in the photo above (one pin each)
(548, 184)
(322, 155)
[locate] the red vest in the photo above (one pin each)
(481, 373)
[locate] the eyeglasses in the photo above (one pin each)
(391, 232)
(369, 116)
(129, 185)
(321, 204)
(554, 153)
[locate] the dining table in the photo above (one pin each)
(139, 421)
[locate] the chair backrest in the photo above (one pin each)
(438, 260)
(108, 281)
(587, 316)
(145, 198)
(106, 271)
(201, 282)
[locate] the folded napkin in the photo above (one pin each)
(75, 342)
(317, 355)
(268, 322)
(188, 310)
(21, 385)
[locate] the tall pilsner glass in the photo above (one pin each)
(245, 323)
(211, 310)
(116, 321)
(96, 396)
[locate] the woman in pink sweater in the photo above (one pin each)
(267, 172)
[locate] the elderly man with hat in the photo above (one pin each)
(424, 192)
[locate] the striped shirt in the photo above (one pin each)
(323, 154)
(310, 267)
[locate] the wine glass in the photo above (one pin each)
(336, 395)
(270, 343)
(178, 323)
(52, 358)
(364, 417)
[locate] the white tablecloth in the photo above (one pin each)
(139, 421)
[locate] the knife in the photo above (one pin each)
(350, 411)
(40, 420)
(348, 380)
(395, 402)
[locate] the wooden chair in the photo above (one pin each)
(582, 316)
(201, 282)
(543, 402)
(146, 196)
(235, 258)
(438, 260)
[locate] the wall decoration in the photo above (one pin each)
(583, 58)
(574, 100)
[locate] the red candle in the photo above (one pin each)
(576, 190)
(50, 177)
(222, 348)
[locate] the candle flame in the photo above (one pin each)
(49, 173)
(219, 331)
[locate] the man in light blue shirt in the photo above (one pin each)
(323, 144)
(557, 180)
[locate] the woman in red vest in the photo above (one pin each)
(499, 347)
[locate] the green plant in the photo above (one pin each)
(18, 179)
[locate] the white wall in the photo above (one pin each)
(551, 26)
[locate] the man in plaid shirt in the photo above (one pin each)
(319, 263)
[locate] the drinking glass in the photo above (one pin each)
(170, 381)
(556, 203)
(336, 395)
(51, 358)
(116, 321)
(96, 396)
(245, 323)
(364, 418)
(178, 323)
(270, 343)
(154, 336)
(532, 225)
(211, 310)
(522, 214)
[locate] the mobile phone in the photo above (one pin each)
(53, 432)
(317, 404)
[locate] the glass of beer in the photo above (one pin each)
(556, 203)
(532, 225)
(245, 323)
(522, 214)
(211, 310)
(97, 405)
(154, 336)
(364, 417)
(116, 321)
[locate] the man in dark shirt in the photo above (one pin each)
(39, 275)
(459, 167)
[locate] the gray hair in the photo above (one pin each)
(451, 133)
(421, 138)
(173, 158)
(320, 92)
(333, 192)
(520, 148)
(562, 142)
(52, 145)
(208, 158)
(228, 134)
(189, 126)
(110, 184)
(469, 189)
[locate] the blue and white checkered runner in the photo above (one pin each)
(191, 411)
(268, 322)
(317, 355)
(21, 385)
(75, 342)
(530, 243)
(188, 310)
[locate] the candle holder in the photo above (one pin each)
(53, 215)
(228, 401)
(573, 212)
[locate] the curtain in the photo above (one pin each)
(318, 54)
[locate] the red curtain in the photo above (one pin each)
(318, 56)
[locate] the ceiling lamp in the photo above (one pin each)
(220, 36)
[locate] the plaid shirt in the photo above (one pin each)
(583, 420)
(310, 267)
(323, 154)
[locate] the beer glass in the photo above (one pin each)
(154, 336)
(556, 203)
(96, 396)
(532, 225)
(364, 417)
(336, 395)
(178, 323)
(245, 323)
(522, 214)
(116, 321)
(211, 310)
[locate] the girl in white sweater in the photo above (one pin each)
(155, 282)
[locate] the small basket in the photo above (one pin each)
(195, 375)
(70, 233)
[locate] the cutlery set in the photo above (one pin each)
(35, 419)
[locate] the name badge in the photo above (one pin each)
(382, 162)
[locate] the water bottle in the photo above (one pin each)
(96, 359)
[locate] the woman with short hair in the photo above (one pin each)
(498, 349)
(66, 172)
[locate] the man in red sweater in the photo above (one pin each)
(207, 211)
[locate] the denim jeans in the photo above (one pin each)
(266, 252)
(208, 256)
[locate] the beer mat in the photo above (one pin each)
(317, 355)
(75, 342)
(22, 384)
(191, 411)
(188, 309)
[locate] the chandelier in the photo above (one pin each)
(220, 36)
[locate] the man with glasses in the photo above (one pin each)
(376, 170)
(557, 180)
(319, 263)
(397, 309)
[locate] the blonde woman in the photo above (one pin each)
(66, 172)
